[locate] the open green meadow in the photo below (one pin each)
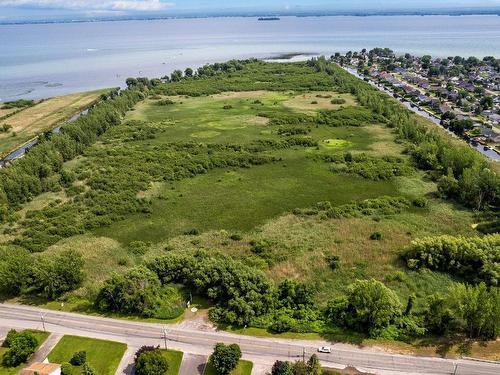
(103, 356)
(277, 167)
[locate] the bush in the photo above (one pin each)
(227, 106)
(79, 358)
(474, 258)
(192, 232)
(225, 358)
(420, 202)
(236, 237)
(88, 369)
(165, 102)
(21, 346)
(369, 306)
(136, 292)
(8, 339)
(338, 101)
(333, 261)
(66, 368)
(376, 236)
(151, 362)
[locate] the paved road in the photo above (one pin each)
(262, 351)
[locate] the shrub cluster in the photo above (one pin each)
(38, 170)
(22, 273)
(21, 345)
(374, 168)
(473, 258)
(381, 206)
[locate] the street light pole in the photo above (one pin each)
(165, 337)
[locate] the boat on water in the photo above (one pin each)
(269, 19)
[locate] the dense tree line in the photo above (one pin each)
(242, 294)
(22, 273)
(472, 258)
(256, 75)
(38, 170)
(473, 310)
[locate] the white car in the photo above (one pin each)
(324, 349)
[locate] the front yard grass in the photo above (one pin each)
(104, 356)
(243, 368)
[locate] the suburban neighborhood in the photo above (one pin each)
(463, 93)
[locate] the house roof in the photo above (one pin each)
(40, 369)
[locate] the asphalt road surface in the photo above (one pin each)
(262, 351)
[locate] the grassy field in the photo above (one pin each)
(243, 368)
(40, 336)
(174, 359)
(219, 171)
(104, 356)
(256, 202)
(41, 117)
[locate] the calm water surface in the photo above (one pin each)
(52, 59)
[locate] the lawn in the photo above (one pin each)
(174, 359)
(40, 336)
(103, 356)
(243, 368)
(43, 116)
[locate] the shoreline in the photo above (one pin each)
(485, 13)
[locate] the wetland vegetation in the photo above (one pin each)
(290, 197)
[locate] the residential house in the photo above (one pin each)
(39, 368)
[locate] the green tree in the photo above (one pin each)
(313, 365)
(225, 358)
(282, 368)
(151, 363)
(21, 346)
(136, 292)
(438, 316)
(54, 277)
(478, 309)
(300, 368)
(368, 306)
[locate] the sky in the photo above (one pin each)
(48, 9)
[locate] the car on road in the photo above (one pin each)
(324, 349)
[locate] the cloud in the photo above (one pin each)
(90, 5)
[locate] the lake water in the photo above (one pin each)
(42, 60)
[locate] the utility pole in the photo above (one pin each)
(42, 318)
(165, 337)
(303, 354)
(455, 369)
